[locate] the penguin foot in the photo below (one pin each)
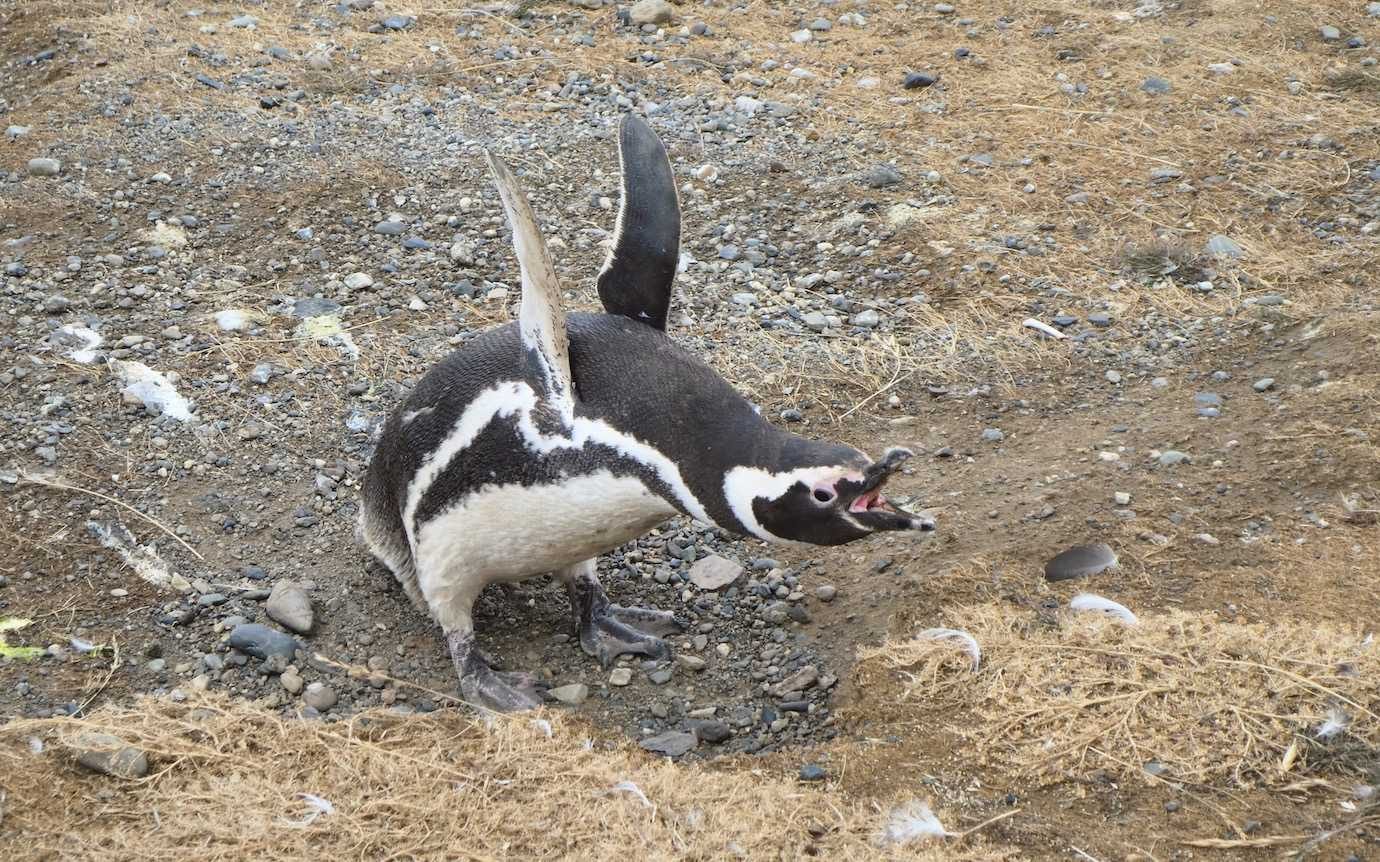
(501, 692)
(481, 685)
(605, 637)
(647, 620)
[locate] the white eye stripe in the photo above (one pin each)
(743, 485)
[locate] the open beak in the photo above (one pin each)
(872, 508)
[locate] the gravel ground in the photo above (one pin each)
(232, 238)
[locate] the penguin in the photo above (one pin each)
(541, 444)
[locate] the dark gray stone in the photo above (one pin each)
(261, 641)
(710, 730)
(919, 80)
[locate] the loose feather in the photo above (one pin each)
(319, 808)
(910, 823)
(967, 641)
(1337, 721)
(632, 790)
(1090, 602)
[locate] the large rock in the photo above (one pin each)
(101, 752)
(290, 605)
(651, 12)
(261, 641)
(714, 572)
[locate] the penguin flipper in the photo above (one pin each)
(641, 266)
(541, 320)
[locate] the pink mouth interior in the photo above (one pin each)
(869, 501)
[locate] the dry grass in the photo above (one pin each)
(230, 782)
(1182, 697)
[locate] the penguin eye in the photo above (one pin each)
(824, 495)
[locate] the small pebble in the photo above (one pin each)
(319, 697)
(919, 80)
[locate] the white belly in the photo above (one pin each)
(510, 532)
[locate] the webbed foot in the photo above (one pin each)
(647, 620)
(482, 686)
(608, 630)
(605, 637)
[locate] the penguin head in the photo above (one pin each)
(822, 505)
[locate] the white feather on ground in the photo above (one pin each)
(319, 808)
(1090, 602)
(153, 389)
(632, 790)
(967, 641)
(143, 559)
(233, 319)
(83, 343)
(1337, 721)
(912, 822)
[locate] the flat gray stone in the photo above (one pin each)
(880, 176)
(573, 694)
(651, 12)
(290, 605)
(319, 697)
(867, 318)
(714, 572)
(358, 281)
(672, 743)
(101, 752)
(1224, 246)
(802, 679)
(44, 167)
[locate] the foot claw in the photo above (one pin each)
(647, 620)
(606, 638)
(501, 692)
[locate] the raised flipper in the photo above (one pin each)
(641, 267)
(541, 320)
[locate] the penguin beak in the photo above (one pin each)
(873, 510)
